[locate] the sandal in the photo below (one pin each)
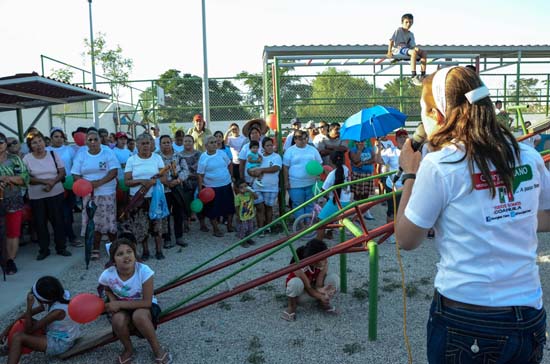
(331, 310)
(165, 359)
(128, 360)
(288, 316)
(95, 254)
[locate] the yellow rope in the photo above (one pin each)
(403, 286)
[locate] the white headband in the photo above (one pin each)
(66, 294)
(438, 91)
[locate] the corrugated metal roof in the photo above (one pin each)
(27, 90)
(485, 51)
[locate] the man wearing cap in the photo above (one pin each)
(322, 135)
(311, 131)
(332, 143)
(295, 124)
(155, 132)
(199, 132)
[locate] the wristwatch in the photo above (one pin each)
(407, 176)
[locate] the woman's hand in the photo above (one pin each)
(409, 160)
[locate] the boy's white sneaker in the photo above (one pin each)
(258, 183)
(417, 80)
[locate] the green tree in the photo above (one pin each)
(62, 74)
(528, 92)
(403, 95)
(115, 66)
(335, 96)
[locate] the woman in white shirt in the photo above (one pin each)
(100, 167)
(139, 172)
(213, 172)
(235, 141)
(481, 192)
(297, 181)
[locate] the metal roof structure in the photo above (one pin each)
(27, 90)
(484, 51)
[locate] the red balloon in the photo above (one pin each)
(79, 138)
(85, 307)
(207, 194)
(327, 169)
(272, 121)
(27, 213)
(82, 187)
(19, 326)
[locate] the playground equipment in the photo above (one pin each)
(349, 217)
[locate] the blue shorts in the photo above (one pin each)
(268, 198)
(56, 346)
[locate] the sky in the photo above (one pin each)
(163, 34)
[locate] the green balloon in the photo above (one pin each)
(317, 187)
(196, 205)
(122, 185)
(68, 184)
(314, 168)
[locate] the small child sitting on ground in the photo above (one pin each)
(402, 45)
(132, 305)
(254, 160)
(61, 331)
(314, 279)
(246, 213)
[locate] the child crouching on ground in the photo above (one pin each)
(129, 288)
(61, 331)
(246, 214)
(313, 280)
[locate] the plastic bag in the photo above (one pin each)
(159, 207)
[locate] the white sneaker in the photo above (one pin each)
(368, 215)
(416, 80)
(259, 183)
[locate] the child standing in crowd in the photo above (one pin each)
(402, 45)
(254, 160)
(60, 331)
(244, 204)
(129, 288)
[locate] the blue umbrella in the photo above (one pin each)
(373, 122)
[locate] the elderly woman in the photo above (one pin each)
(297, 181)
(213, 172)
(178, 173)
(46, 170)
(100, 167)
(13, 179)
(190, 185)
(66, 153)
(139, 172)
(199, 132)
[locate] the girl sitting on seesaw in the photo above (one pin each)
(60, 331)
(314, 279)
(129, 288)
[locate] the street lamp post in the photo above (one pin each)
(94, 102)
(205, 93)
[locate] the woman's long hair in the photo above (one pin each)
(475, 126)
(337, 158)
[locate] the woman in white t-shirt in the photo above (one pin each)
(100, 167)
(297, 181)
(481, 192)
(139, 172)
(213, 172)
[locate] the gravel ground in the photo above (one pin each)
(247, 328)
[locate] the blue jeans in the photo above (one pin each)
(499, 336)
(300, 195)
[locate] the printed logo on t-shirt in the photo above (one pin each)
(511, 204)
(102, 165)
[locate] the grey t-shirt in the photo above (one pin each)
(403, 38)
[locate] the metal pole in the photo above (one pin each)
(373, 289)
(94, 102)
(205, 93)
(343, 264)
